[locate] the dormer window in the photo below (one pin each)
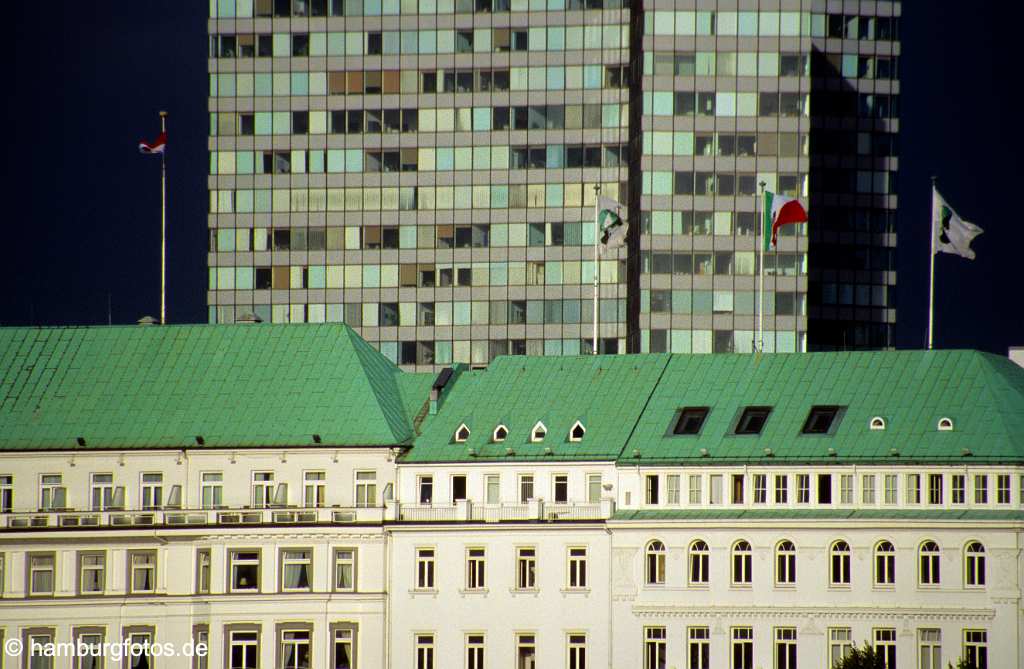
(945, 425)
(821, 420)
(462, 434)
(500, 433)
(752, 420)
(538, 432)
(877, 423)
(690, 420)
(577, 432)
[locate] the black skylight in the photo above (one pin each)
(690, 420)
(752, 420)
(821, 419)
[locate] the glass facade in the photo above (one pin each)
(424, 171)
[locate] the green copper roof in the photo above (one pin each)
(604, 393)
(1010, 515)
(983, 394)
(233, 385)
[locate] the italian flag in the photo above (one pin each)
(780, 210)
(156, 146)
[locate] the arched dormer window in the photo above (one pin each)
(500, 434)
(462, 433)
(577, 431)
(538, 432)
(877, 423)
(945, 424)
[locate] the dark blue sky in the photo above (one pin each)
(84, 217)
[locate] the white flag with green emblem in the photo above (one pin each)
(952, 234)
(611, 228)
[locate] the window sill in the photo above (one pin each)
(524, 592)
(839, 587)
(585, 592)
(423, 592)
(477, 592)
(741, 586)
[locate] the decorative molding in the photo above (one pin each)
(841, 613)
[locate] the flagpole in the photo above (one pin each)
(597, 197)
(757, 224)
(760, 288)
(163, 224)
(931, 271)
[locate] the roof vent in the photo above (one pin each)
(704, 453)
(636, 453)
(510, 451)
(831, 452)
(877, 423)
(199, 440)
(316, 439)
(894, 452)
(547, 450)
(945, 424)
(80, 441)
(148, 320)
(966, 452)
(769, 453)
(472, 452)
(248, 317)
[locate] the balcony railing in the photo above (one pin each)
(466, 510)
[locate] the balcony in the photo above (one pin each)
(177, 517)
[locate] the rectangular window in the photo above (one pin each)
(141, 571)
(41, 574)
(935, 488)
(211, 491)
(698, 647)
(6, 493)
(655, 648)
(525, 488)
(867, 489)
(981, 488)
(101, 491)
(492, 484)
(296, 569)
(314, 489)
(737, 488)
(781, 489)
(243, 570)
(424, 651)
(152, 491)
(366, 489)
(35, 655)
(752, 420)
(92, 572)
(526, 568)
(1003, 489)
(651, 489)
(561, 491)
(840, 644)
(715, 489)
(425, 568)
(885, 645)
(820, 419)
(959, 489)
(295, 650)
(91, 643)
(458, 488)
(803, 488)
(262, 489)
(785, 648)
(976, 648)
(593, 488)
(929, 648)
(52, 495)
(344, 648)
(203, 571)
(690, 420)
(846, 489)
(890, 488)
(425, 488)
(672, 489)
(243, 649)
(824, 488)
(577, 651)
(760, 488)
(345, 569)
(696, 495)
(578, 567)
(526, 651)
(475, 651)
(475, 569)
(742, 648)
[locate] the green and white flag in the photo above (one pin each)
(951, 234)
(612, 229)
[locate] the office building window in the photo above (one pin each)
(700, 557)
(345, 569)
(296, 569)
(244, 570)
(974, 564)
(742, 648)
(526, 568)
(929, 648)
(475, 569)
(152, 490)
(840, 644)
(295, 650)
(142, 571)
(243, 649)
(211, 492)
(424, 568)
(42, 573)
(203, 571)
(92, 572)
(577, 567)
(655, 648)
(655, 568)
(366, 489)
(314, 492)
(839, 568)
(577, 644)
(785, 563)
(424, 651)
(928, 563)
(785, 648)
(976, 648)
(475, 651)
(781, 489)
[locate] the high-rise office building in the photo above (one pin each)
(424, 171)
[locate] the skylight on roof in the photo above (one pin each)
(538, 432)
(752, 420)
(462, 434)
(690, 420)
(821, 420)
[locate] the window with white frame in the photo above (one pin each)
(525, 488)
(928, 563)
(651, 489)
(243, 649)
(91, 654)
(867, 489)
(560, 483)
(101, 491)
(824, 488)
(577, 567)
(424, 651)
(840, 644)
(672, 489)
(42, 571)
(885, 564)
(52, 495)
(959, 495)
(577, 431)
(974, 564)
(314, 489)
(1020, 490)
(913, 489)
(655, 648)
(296, 569)
(526, 651)
(425, 568)
(742, 648)
(151, 490)
(846, 489)
(201, 633)
(781, 489)
(695, 492)
(929, 648)
(935, 488)
(144, 641)
(366, 489)
(92, 572)
(885, 645)
(474, 651)
(3, 575)
(476, 562)
(803, 488)
(976, 648)
(244, 570)
(526, 568)
(262, 489)
(142, 571)
(738, 491)
(655, 563)
(577, 645)
(296, 649)
(760, 488)
(593, 488)
(742, 563)
(211, 491)
(6, 493)
(458, 488)
(492, 485)
(1002, 489)
(425, 488)
(700, 557)
(785, 648)
(344, 648)
(203, 570)
(839, 567)
(698, 647)
(715, 489)
(785, 563)
(981, 488)
(538, 432)
(37, 657)
(345, 569)
(891, 483)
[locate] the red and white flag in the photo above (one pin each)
(156, 146)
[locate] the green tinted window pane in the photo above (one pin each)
(263, 84)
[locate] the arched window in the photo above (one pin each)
(839, 567)
(974, 564)
(945, 424)
(655, 566)
(538, 432)
(500, 433)
(785, 563)
(462, 434)
(577, 431)
(877, 423)
(700, 558)
(885, 563)
(928, 569)
(741, 563)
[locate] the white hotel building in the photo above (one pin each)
(288, 496)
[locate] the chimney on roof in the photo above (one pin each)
(148, 320)
(249, 317)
